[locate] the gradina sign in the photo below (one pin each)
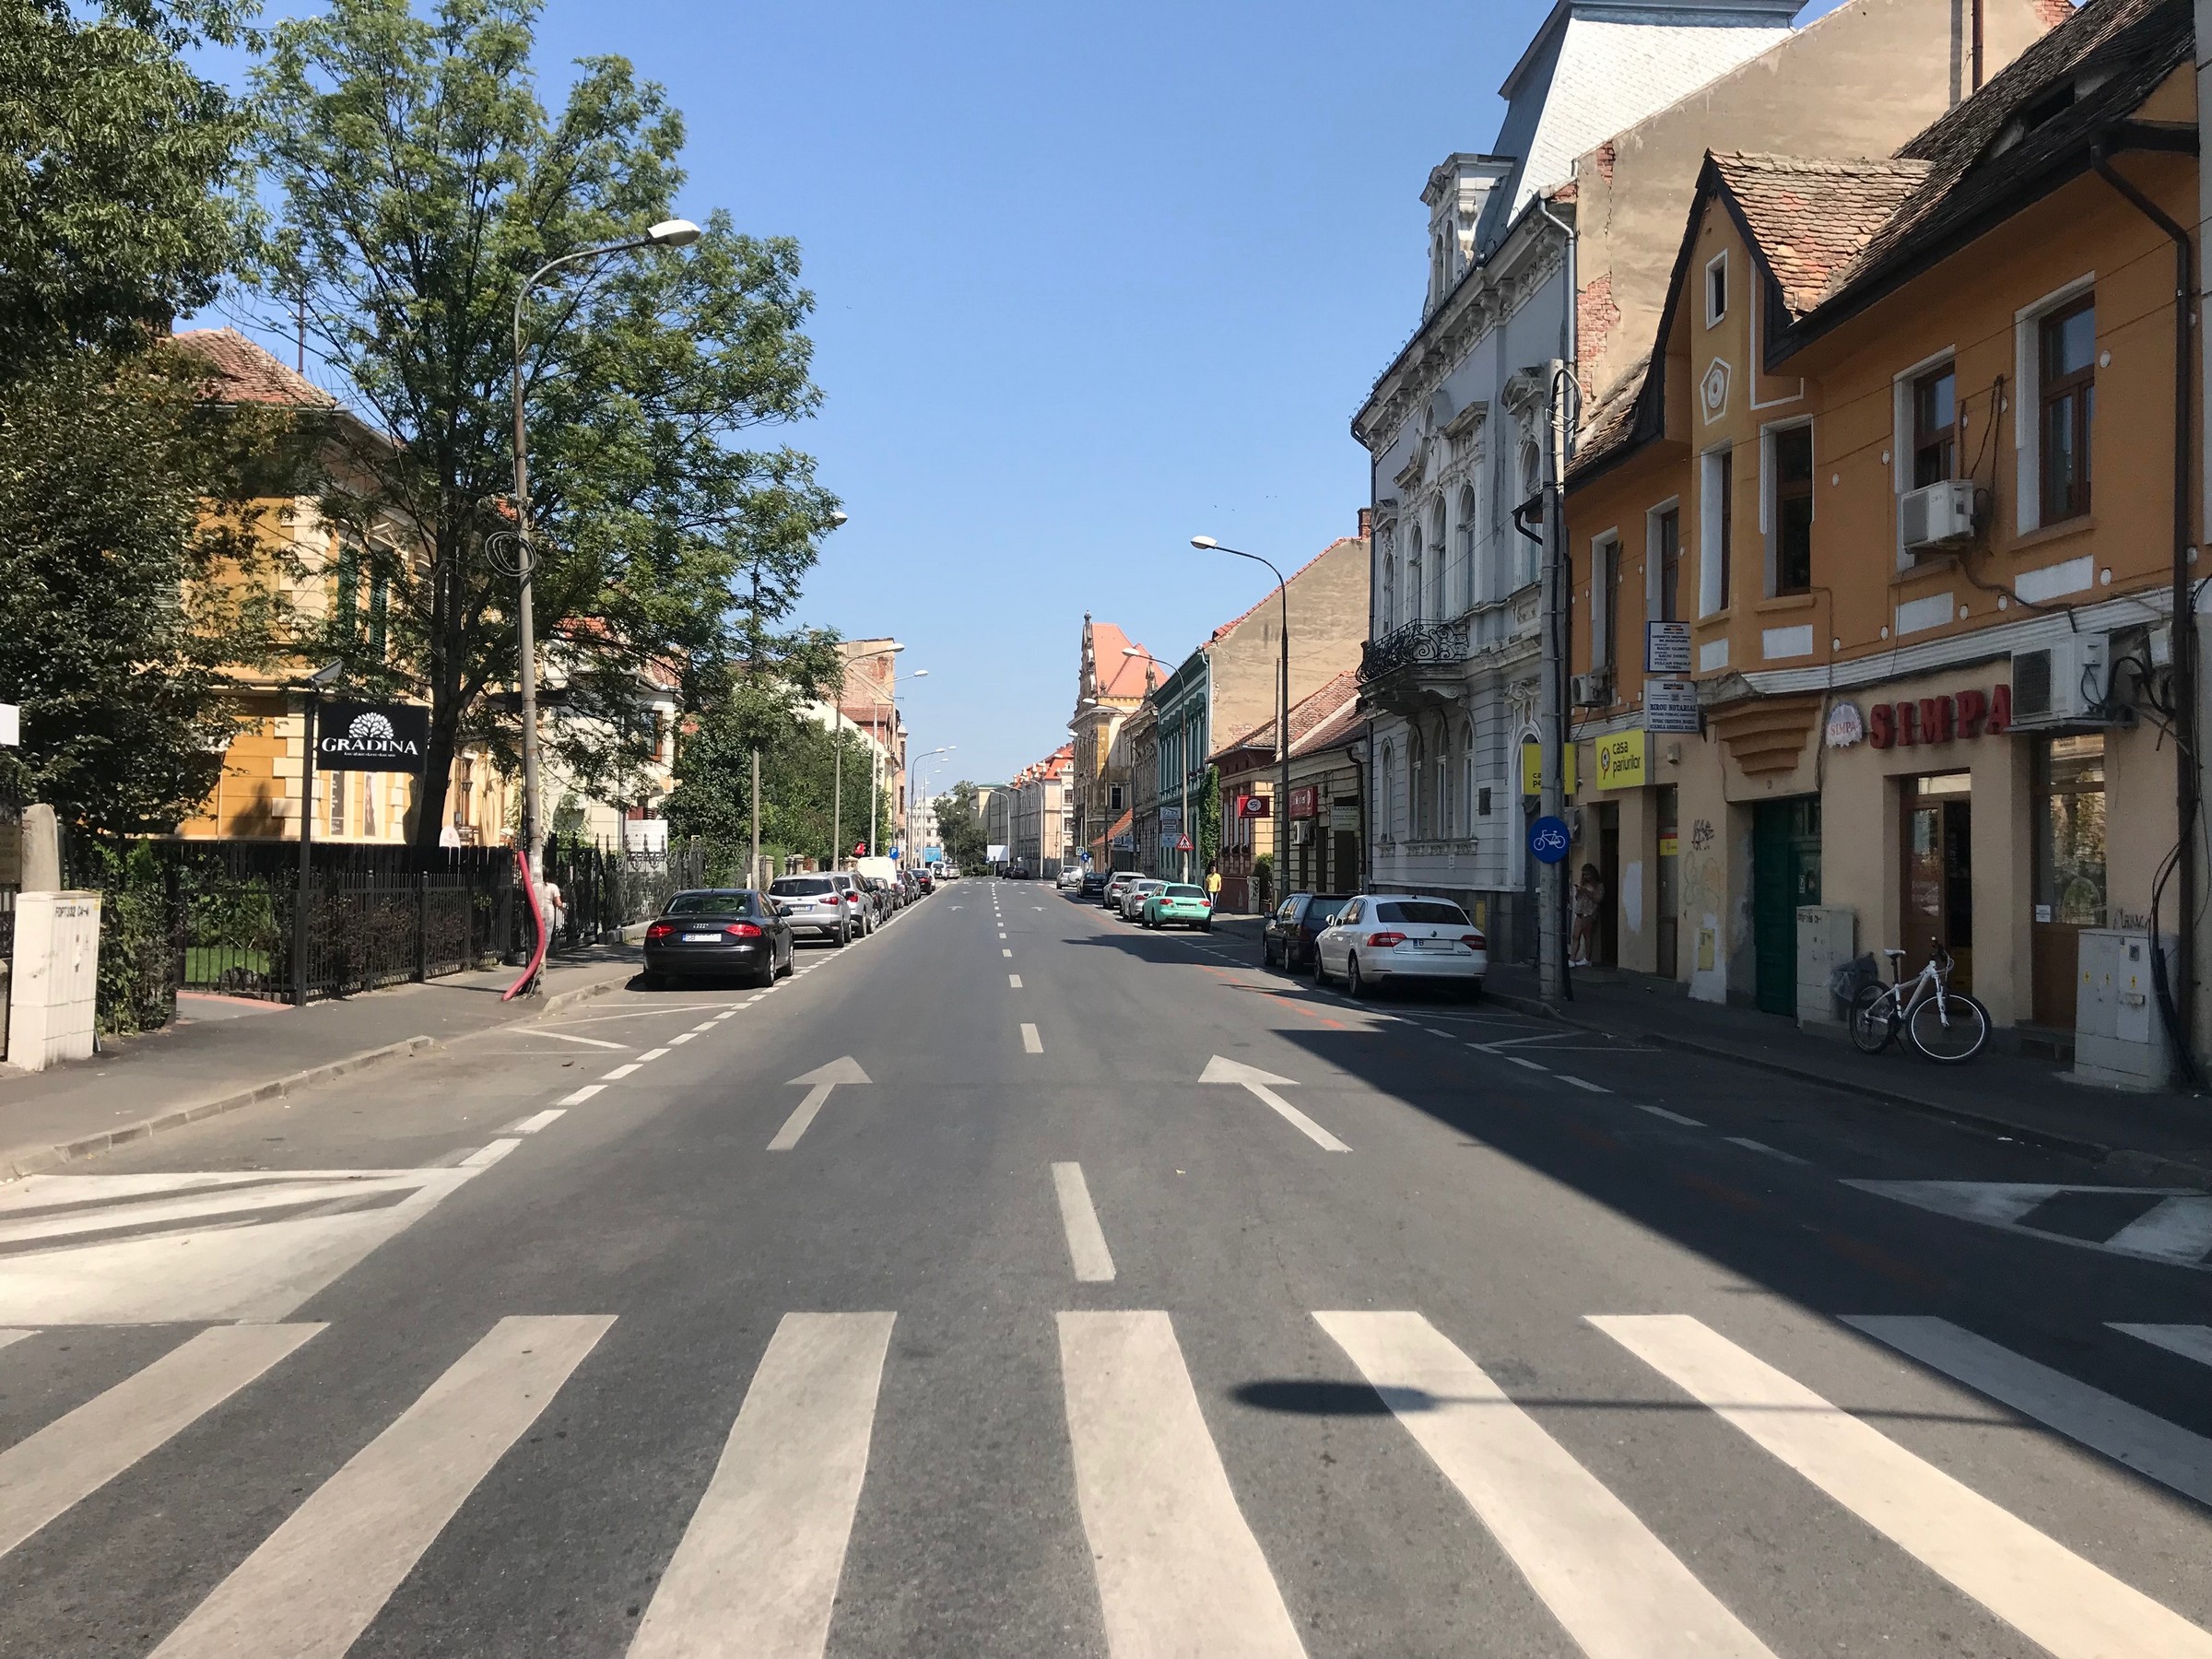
(354, 736)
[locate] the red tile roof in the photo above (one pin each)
(241, 372)
(1811, 219)
(1119, 675)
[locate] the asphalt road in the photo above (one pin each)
(1420, 1330)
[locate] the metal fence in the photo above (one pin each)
(220, 915)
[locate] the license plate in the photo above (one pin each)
(701, 938)
(1435, 945)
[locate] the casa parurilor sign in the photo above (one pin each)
(356, 736)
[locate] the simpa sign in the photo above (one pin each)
(356, 736)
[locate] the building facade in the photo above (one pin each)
(1894, 514)
(1038, 820)
(1113, 677)
(1557, 246)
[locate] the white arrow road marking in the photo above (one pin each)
(1264, 1085)
(818, 1084)
(587, 1042)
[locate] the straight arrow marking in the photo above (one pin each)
(1219, 1070)
(818, 1084)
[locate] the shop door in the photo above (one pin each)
(1667, 897)
(1936, 866)
(2069, 870)
(1785, 873)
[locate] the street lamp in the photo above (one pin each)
(1206, 544)
(668, 233)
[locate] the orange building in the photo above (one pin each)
(1873, 558)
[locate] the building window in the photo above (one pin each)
(1604, 599)
(1716, 289)
(1666, 554)
(1439, 541)
(345, 600)
(1116, 793)
(1467, 546)
(368, 794)
(1413, 576)
(1936, 427)
(1387, 618)
(1793, 510)
(337, 803)
(2068, 362)
(1716, 530)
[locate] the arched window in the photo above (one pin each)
(1413, 785)
(1441, 542)
(1467, 546)
(1413, 574)
(1386, 608)
(1386, 793)
(1467, 795)
(1532, 481)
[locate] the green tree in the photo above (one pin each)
(119, 596)
(115, 164)
(419, 181)
(961, 826)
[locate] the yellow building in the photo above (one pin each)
(1873, 558)
(258, 796)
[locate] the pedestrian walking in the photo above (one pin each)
(1589, 893)
(557, 909)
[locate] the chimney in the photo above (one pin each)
(1367, 522)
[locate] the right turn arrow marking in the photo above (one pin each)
(1264, 1085)
(818, 1084)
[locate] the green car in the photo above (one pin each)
(1178, 904)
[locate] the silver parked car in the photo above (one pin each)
(815, 908)
(1135, 894)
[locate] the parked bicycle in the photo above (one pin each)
(1945, 1025)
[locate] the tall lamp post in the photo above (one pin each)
(1206, 544)
(668, 233)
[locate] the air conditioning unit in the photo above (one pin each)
(2065, 683)
(1302, 832)
(1593, 690)
(1937, 515)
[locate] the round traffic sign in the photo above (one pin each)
(1547, 838)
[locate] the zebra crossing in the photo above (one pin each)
(1179, 1566)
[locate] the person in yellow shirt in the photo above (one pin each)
(1213, 886)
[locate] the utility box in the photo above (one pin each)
(2120, 1035)
(55, 988)
(1827, 936)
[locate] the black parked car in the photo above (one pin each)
(1094, 885)
(719, 931)
(1287, 939)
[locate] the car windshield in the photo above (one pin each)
(1180, 891)
(799, 886)
(712, 903)
(1422, 909)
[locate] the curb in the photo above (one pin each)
(32, 1160)
(2137, 1165)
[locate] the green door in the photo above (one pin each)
(1785, 873)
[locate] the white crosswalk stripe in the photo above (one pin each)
(78, 1454)
(1617, 1588)
(2037, 1586)
(755, 1573)
(760, 1566)
(1180, 1573)
(318, 1580)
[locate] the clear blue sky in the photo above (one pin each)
(1091, 281)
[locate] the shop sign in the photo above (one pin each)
(356, 736)
(1622, 759)
(1971, 713)
(1532, 768)
(1343, 815)
(1666, 648)
(1170, 818)
(1253, 806)
(1845, 726)
(1305, 800)
(1670, 705)
(1124, 842)
(1670, 845)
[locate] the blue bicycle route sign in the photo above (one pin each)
(1548, 839)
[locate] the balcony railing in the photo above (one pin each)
(1416, 645)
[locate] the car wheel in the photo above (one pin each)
(650, 981)
(1267, 954)
(844, 935)
(1353, 981)
(1321, 975)
(1474, 990)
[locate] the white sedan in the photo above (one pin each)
(1379, 937)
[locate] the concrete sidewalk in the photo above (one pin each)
(2156, 1138)
(222, 1053)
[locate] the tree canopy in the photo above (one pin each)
(418, 181)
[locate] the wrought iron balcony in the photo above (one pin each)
(1416, 663)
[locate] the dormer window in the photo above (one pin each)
(1716, 289)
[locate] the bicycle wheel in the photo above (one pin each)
(1952, 1034)
(1873, 1019)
